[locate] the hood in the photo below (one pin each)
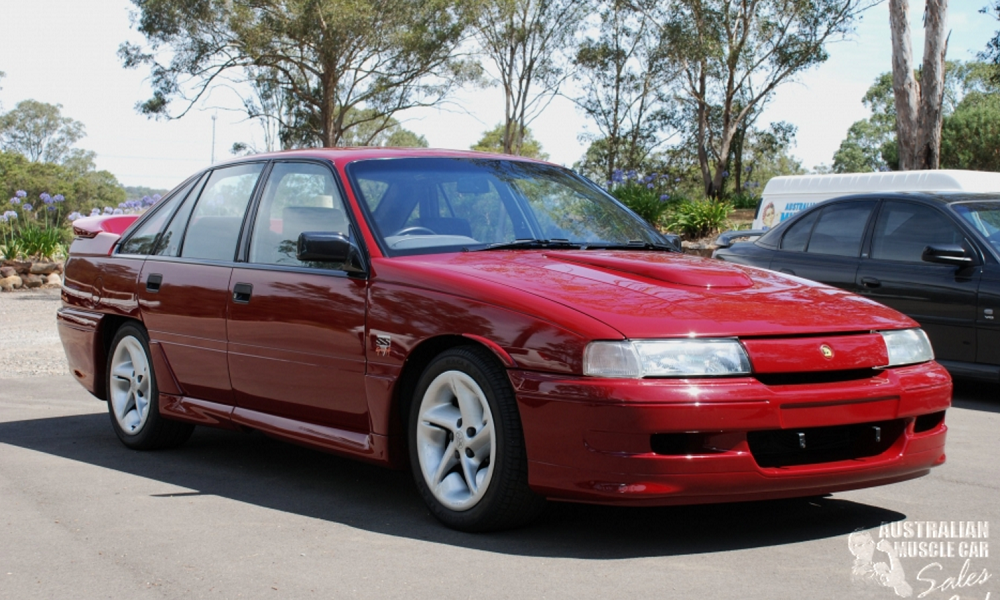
(648, 294)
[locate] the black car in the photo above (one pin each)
(934, 257)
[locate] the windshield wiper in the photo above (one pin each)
(530, 244)
(632, 245)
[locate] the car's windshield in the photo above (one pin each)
(426, 205)
(984, 216)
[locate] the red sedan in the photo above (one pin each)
(501, 326)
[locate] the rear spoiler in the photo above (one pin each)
(726, 238)
(89, 227)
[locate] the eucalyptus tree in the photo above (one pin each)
(733, 54)
(39, 132)
(623, 75)
(527, 42)
(919, 111)
(328, 57)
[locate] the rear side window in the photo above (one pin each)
(903, 230)
(840, 229)
(797, 237)
(214, 228)
(144, 240)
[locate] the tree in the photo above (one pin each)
(623, 75)
(733, 54)
(970, 138)
(525, 40)
(494, 139)
(328, 57)
(39, 131)
(918, 104)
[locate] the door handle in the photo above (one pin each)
(153, 282)
(870, 282)
(242, 292)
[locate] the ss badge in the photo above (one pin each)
(382, 345)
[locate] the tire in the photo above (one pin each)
(133, 398)
(466, 444)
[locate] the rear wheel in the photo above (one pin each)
(133, 398)
(466, 444)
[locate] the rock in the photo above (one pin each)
(33, 281)
(698, 248)
(22, 267)
(43, 268)
(6, 272)
(59, 266)
(10, 283)
(53, 279)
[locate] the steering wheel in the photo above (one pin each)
(416, 229)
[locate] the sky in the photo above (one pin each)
(64, 52)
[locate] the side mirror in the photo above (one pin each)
(329, 247)
(947, 254)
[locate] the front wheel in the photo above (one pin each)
(466, 444)
(133, 398)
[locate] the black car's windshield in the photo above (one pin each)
(428, 205)
(984, 216)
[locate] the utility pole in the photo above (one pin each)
(213, 137)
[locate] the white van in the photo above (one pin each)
(786, 196)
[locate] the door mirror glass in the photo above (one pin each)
(321, 248)
(947, 254)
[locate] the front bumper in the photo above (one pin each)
(592, 440)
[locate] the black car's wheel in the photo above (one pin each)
(133, 398)
(466, 444)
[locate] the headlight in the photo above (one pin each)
(665, 358)
(907, 347)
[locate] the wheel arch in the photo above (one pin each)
(108, 328)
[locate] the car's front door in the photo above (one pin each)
(297, 329)
(942, 298)
(184, 285)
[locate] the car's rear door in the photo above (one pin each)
(184, 285)
(825, 244)
(942, 298)
(297, 329)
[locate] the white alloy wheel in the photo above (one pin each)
(455, 440)
(130, 390)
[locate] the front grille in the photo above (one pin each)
(811, 377)
(790, 447)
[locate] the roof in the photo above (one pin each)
(821, 187)
(346, 155)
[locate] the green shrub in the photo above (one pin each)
(649, 196)
(744, 199)
(39, 242)
(694, 219)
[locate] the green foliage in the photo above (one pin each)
(744, 199)
(695, 219)
(971, 135)
(492, 141)
(39, 131)
(36, 241)
(83, 191)
(648, 196)
(320, 58)
(135, 192)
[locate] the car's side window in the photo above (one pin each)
(298, 197)
(797, 236)
(170, 239)
(215, 224)
(840, 229)
(145, 238)
(903, 230)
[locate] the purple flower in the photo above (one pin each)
(50, 208)
(725, 173)
(118, 211)
(123, 205)
(108, 210)
(664, 197)
(156, 198)
(678, 180)
(21, 194)
(649, 186)
(58, 198)
(95, 212)
(74, 216)
(46, 198)
(15, 201)
(631, 175)
(28, 207)
(617, 176)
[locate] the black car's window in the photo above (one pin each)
(904, 229)
(297, 197)
(144, 239)
(984, 216)
(214, 228)
(797, 236)
(840, 229)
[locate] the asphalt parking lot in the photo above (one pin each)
(233, 515)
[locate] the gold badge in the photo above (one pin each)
(827, 351)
